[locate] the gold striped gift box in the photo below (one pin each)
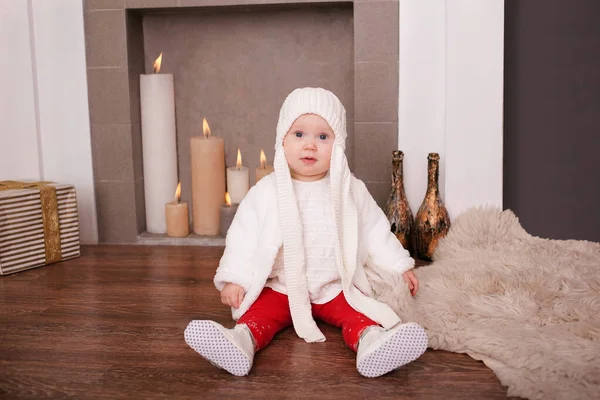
(39, 224)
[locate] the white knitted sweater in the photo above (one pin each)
(255, 237)
(319, 240)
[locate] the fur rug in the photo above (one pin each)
(529, 308)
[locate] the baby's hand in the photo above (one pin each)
(411, 281)
(232, 295)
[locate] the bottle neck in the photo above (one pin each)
(397, 174)
(432, 176)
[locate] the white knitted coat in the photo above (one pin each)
(254, 239)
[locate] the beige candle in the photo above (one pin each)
(228, 211)
(208, 181)
(238, 180)
(264, 169)
(177, 216)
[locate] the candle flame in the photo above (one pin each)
(205, 128)
(157, 63)
(178, 192)
(239, 159)
(227, 199)
(263, 159)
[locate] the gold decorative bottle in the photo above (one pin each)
(397, 208)
(432, 221)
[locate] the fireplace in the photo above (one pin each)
(233, 63)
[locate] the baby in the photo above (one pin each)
(298, 248)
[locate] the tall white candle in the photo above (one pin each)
(238, 180)
(159, 148)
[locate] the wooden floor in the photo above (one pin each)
(110, 325)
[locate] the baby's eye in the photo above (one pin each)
(299, 134)
(323, 136)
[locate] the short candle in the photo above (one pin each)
(264, 169)
(177, 216)
(228, 211)
(238, 180)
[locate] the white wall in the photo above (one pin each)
(48, 134)
(474, 99)
(450, 99)
(19, 150)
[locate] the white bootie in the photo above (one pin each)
(230, 349)
(380, 351)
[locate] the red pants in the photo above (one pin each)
(270, 313)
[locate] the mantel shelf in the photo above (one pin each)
(191, 240)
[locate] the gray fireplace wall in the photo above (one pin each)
(233, 64)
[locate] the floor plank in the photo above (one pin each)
(110, 324)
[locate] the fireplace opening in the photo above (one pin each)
(235, 65)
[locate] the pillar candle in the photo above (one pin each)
(177, 216)
(228, 211)
(159, 149)
(264, 169)
(208, 181)
(238, 180)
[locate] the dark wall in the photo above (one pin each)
(552, 116)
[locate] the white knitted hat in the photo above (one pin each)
(326, 105)
(313, 101)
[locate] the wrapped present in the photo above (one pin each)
(39, 224)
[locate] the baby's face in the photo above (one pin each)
(307, 147)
